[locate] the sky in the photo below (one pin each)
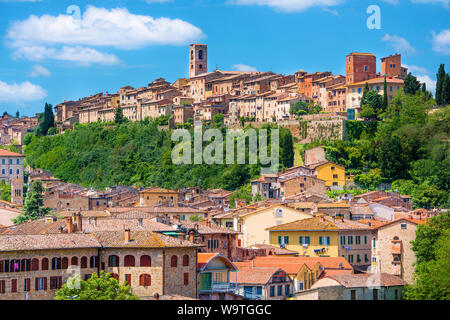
(56, 50)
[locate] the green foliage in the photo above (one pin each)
(218, 119)
(5, 191)
(118, 116)
(439, 84)
(33, 207)
(432, 249)
(301, 108)
(102, 287)
(369, 180)
(242, 193)
(334, 194)
(286, 148)
(195, 218)
(163, 120)
(46, 120)
(372, 106)
(358, 129)
(412, 85)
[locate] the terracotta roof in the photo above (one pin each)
(84, 213)
(258, 275)
(122, 224)
(157, 190)
(312, 224)
(179, 210)
(328, 263)
(378, 80)
(333, 205)
(47, 241)
(368, 280)
(7, 153)
(140, 239)
(204, 258)
(414, 221)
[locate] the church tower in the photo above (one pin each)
(198, 59)
(17, 192)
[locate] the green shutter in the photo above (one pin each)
(328, 241)
(320, 240)
(300, 240)
(307, 240)
(279, 239)
(286, 240)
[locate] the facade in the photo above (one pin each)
(392, 67)
(333, 174)
(11, 166)
(360, 67)
(198, 59)
(158, 197)
(391, 248)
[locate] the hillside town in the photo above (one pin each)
(294, 242)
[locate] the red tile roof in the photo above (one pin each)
(7, 153)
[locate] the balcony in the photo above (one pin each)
(218, 287)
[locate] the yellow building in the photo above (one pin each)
(332, 173)
(158, 196)
(253, 224)
(313, 237)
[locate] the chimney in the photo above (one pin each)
(127, 235)
(79, 220)
(69, 225)
(191, 236)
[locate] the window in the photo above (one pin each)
(350, 258)
(2, 286)
(287, 290)
(375, 294)
(304, 240)
(3, 161)
(390, 88)
(64, 263)
(14, 285)
(44, 264)
(324, 240)
(185, 260)
(146, 261)
(129, 261)
(350, 239)
(186, 278)
(10, 161)
(280, 290)
(365, 239)
(335, 183)
(283, 240)
(83, 262)
(56, 263)
(34, 264)
(342, 240)
(128, 279)
(358, 258)
(358, 239)
(145, 280)
(3, 171)
(41, 284)
(55, 282)
(18, 171)
(18, 161)
(93, 261)
(113, 261)
(26, 284)
(373, 243)
(174, 261)
(115, 276)
(366, 258)
(396, 294)
(353, 294)
(272, 291)
(403, 226)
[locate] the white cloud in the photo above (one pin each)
(333, 12)
(39, 71)
(399, 44)
(289, 5)
(64, 37)
(441, 42)
(243, 67)
(446, 3)
(19, 93)
(395, 2)
(431, 84)
(158, 1)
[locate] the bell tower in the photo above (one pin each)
(198, 59)
(17, 192)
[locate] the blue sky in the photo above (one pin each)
(49, 55)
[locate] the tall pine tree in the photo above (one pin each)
(445, 94)
(385, 96)
(365, 92)
(440, 82)
(48, 119)
(119, 115)
(411, 84)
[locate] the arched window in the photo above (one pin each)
(44, 264)
(146, 261)
(83, 262)
(74, 261)
(115, 276)
(129, 261)
(25, 265)
(56, 263)
(395, 238)
(192, 54)
(200, 54)
(35, 264)
(93, 262)
(185, 260)
(173, 261)
(145, 280)
(113, 261)
(65, 263)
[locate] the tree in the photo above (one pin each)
(440, 81)
(445, 94)
(369, 180)
(412, 85)
(104, 287)
(372, 106)
(33, 207)
(17, 114)
(218, 119)
(432, 249)
(47, 120)
(118, 117)
(385, 96)
(365, 92)
(287, 149)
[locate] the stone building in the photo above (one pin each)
(11, 166)
(360, 67)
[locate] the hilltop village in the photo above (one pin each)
(295, 241)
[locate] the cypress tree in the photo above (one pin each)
(411, 84)
(119, 115)
(440, 82)
(445, 95)
(365, 92)
(48, 119)
(385, 96)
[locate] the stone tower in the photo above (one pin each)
(198, 59)
(361, 67)
(17, 192)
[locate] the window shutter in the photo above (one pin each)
(320, 240)
(36, 284)
(286, 240)
(45, 283)
(307, 240)
(328, 240)
(279, 239)
(300, 240)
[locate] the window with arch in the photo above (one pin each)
(65, 263)
(93, 262)
(145, 280)
(173, 261)
(83, 262)
(200, 54)
(185, 260)
(113, 261)
(192, 54)
(146, 261)
(129, 261)
(44, 264)
(74, 261)
(34, 264)
(56, 263)
(25, 265)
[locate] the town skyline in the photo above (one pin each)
(29, 78)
